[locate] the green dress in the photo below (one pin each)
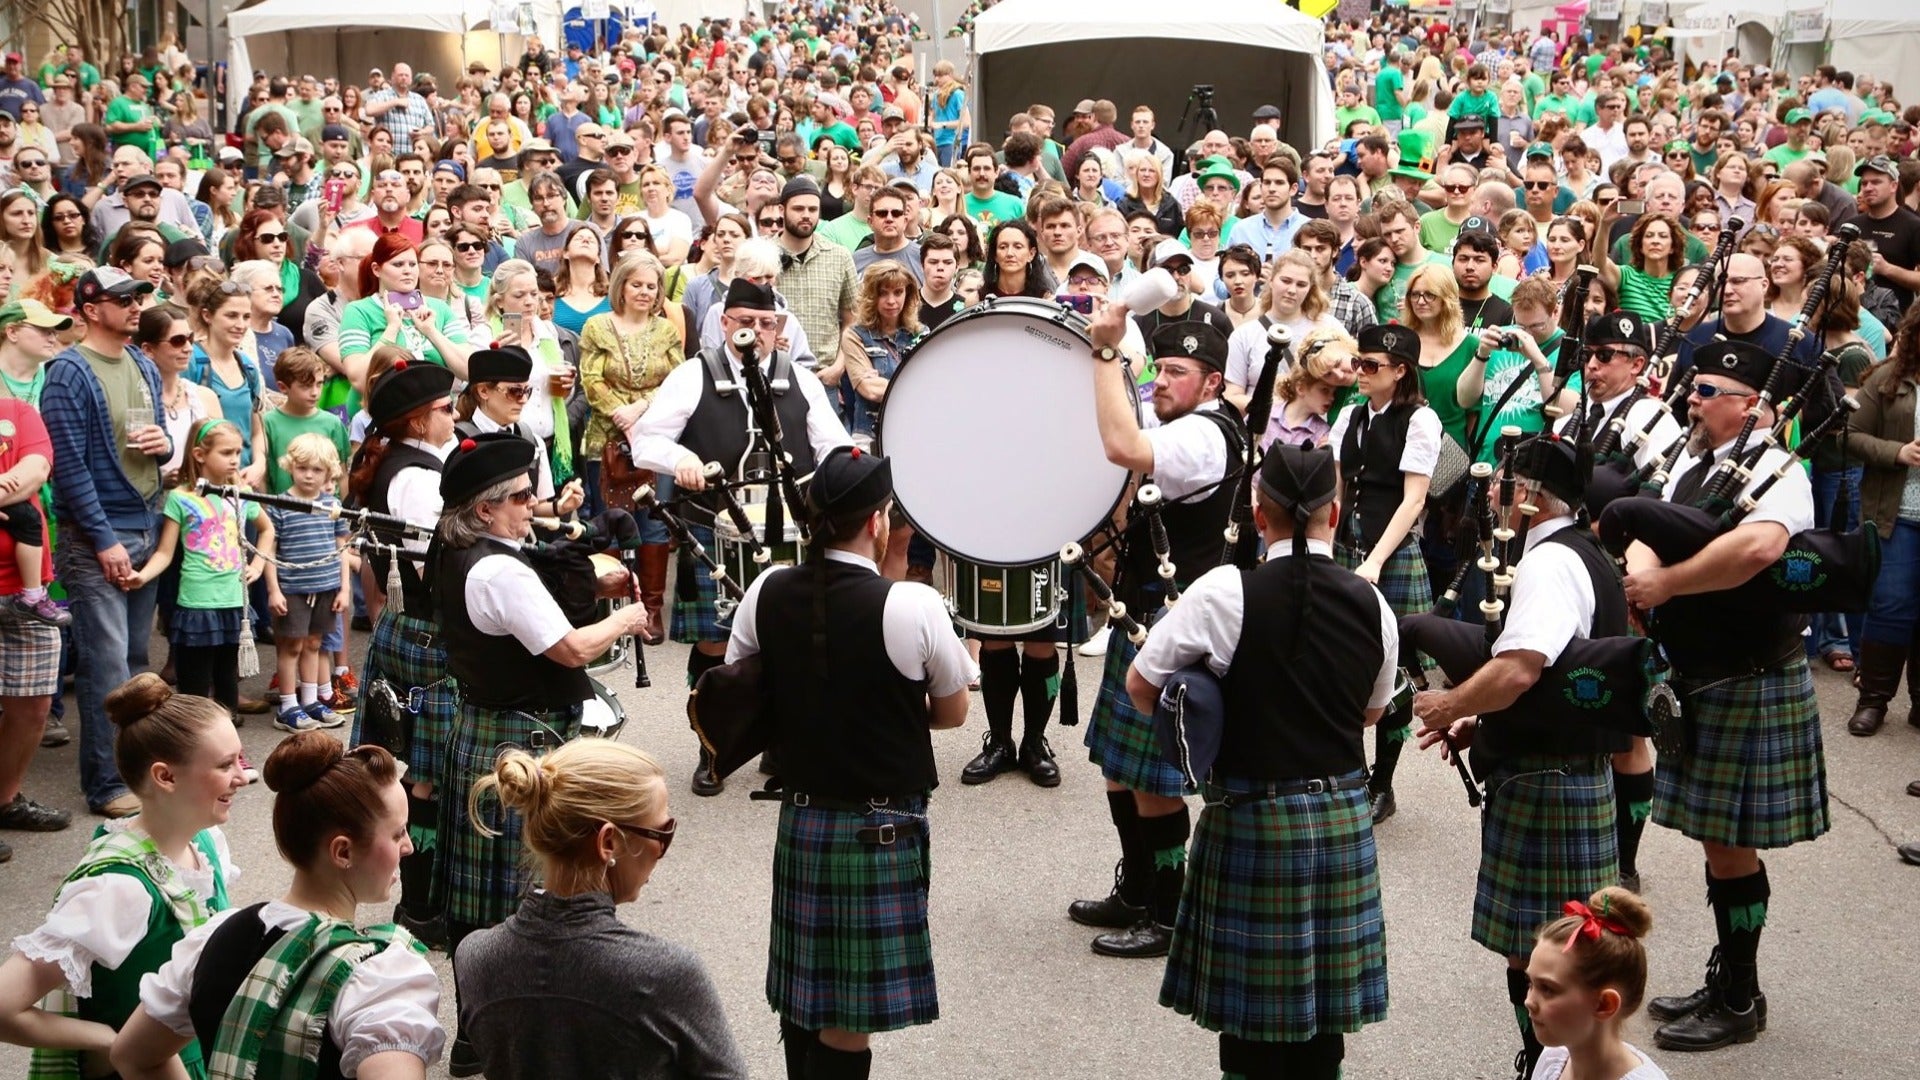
(1441, 383)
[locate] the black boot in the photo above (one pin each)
(1389, 738)
(798, 1044)
(706, 781)
(1880, 665)
(1719, 1022)
(1632, 805)
(1730, 1008)
(1165, 837)
(1039, 683)
(999, 685)
(1529, 1055)
(1127, 903)
(826, 1063)
(417, 909)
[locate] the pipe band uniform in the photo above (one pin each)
(1192, 457)
(1628, 427)
(410, 700)
(702, 413)
(1279, 943)
(1388, 445)
(1746, 769)
(1549, 785)
(865, 668)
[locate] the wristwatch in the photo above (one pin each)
(1106, 353)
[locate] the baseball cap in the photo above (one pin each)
(1091, 262)
(1477, 224)
(1795, 116)
(892, 112)
(335, 133)
(1540, 150)
(904, 183)
(1463, 123)
(1168, 250)
(453, 167)
(1084, 108)
(143, 180)
(34, 313)
(1882, 164)
(296, 145)
(231, 153)
(619, 138)
(15, 58)
(181, 252)
(107, 281)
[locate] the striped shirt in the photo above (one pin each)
(301, 538)
(402, 122)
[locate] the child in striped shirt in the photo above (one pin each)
(308, 584)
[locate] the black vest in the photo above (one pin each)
(225, 962)
(495, 670)
(717, 429)
(413, 587)
(1374, 484)
(853, 728)
(1298, 687)
(1509, 734)
(1196, 526)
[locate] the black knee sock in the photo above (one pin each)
(1039, 683)
(416, 870)
(1136, 863)
(1740, 911)
(699, 663)
(798, 1043)
(999, 685)
(1165, 840)
(826, 1063)
(1632, 803)
(1517, 986)
(1317, 1058)
(1389, 738)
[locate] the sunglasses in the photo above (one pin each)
(270, 238)
(749, 322)
(1539, 185)
(1204, 234)
(470, 246)
(1709, 391)
(1608, 356)
(178, 341)
(613, 150)
(663, 837)
(71, 215)
(771, 223)
(635, 235)
(235, 288)
(1456, 189)
(889, 214)
(31, 164)
(1372, 367)
(343, 174)
(523, 497)
(518, 392)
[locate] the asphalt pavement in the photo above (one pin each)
(1023, 997)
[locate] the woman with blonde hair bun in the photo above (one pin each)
(596, 822)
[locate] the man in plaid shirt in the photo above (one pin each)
(403, 112)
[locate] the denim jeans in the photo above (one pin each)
(652, 529)
(1896, 592)
(111, 630)
(1835, 631)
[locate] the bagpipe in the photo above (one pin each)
(1821, 569)
(1242, 544)
(766, 451)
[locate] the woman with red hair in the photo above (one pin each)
(393, 311)
(265, 235)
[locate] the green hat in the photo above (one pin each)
(1219, 170)
(1876, 116)
(1540, 149)
(1406, 173)
(1676, 146)
(34, 313)
(1416, 148)
(1795, 116)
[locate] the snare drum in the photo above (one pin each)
(732, 551)
(601, 716)
(616, 654)
(1004, 601)
(998, 476)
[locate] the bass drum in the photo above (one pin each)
(989, 423)
(616, 654)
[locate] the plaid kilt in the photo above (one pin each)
(1280, 935)
(850, 947)
(482, 878)
(1754, 774)
(696, 612)
(31, 667)
(1120, 738)
(408, 653)
(1546, 837)
(1403, 577)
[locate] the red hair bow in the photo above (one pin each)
(1591, 923)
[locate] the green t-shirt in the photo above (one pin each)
(1534, 87)
(283, 428)
(1386, 86)
(1523, 410)
(1436, 232)
(1344, 117)
(120, 378)
(212, 562)
(1485, 103)
(125, 110)
(1441, 383)
(1785, 155)
(89, 75)
(365, 320)
(1561, 103)
(1695, 249)
(846, 230)
(994, 209)
(839, 132)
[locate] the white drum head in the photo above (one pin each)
(990, 426)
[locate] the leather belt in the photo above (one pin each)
(1281, 789)
(1696, 678)
(878, 835)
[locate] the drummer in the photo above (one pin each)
(496, 392)
(694, 420)
(520, 667)
(1194, 457)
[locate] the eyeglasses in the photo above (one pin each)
(70, 215)
(663, 837)
(1085, 281)
(270, 238)
(425, 264)
(1203, 234)
(1421, 296)
(488, 187)
(1745, 279)
(889, 214)
(750, 322)
(516, 391)
(1709, 391)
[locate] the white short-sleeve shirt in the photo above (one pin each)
(1422, 452)
(1552, 600)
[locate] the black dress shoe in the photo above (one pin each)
(1911, 853)
(706, 782)
(1913, 788)
(1630, 880)
(996, 757)
(1036, 760)
(1671, 1009)
(462, 1059)
(1144, 939)
(1382, 805)
(429, 932)
(1714, 1026)
(1110, 913)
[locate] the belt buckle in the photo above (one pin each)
(800, 798)
(880, 803)
(888, 833)
(1317, 786)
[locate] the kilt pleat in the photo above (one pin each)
(1546, 837)
(850, 946)
(1280, 935)
(408, 654)
(1120, 739)
(484, 878)
(1754, 773)
(1403, 577)
(696, 610)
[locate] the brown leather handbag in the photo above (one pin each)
(619, 476)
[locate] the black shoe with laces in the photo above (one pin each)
(996, 757)
(1036, 760)
(1715, 1025)
(26, 815)
(462, 1059)
(1143, 939)
(707, 782)
(1382, 805)
(1111, 912)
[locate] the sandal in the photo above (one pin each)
(1839, 661)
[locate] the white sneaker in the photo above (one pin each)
(296, 719)
(1095, 645)
(247, 770)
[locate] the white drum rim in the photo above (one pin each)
(1051, 621)
(1062, 319)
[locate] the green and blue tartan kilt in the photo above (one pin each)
(1280, 935)
(408, 653)
(1754, 773)
(1120, 739)
(483, 878)
(696, 611)
(1546, 837)
(1403, 577)
(850, 946)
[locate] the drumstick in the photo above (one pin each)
(735, 512)
(1074, 557)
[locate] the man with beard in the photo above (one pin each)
(139, 201)
(413, 169)
(390, 214)
(1272, 231)
(545, 246)
(402, 112)
(1475, 252)
(817, 277)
